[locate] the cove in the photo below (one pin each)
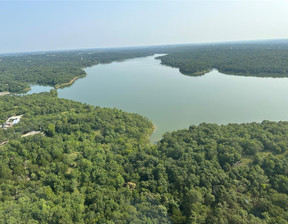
(174, 101)
(38, 89)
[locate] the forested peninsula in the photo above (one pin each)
(94, 165)
(260, 59)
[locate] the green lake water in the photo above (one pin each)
(174, 101)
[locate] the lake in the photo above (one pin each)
(174, 101)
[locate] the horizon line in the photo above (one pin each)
(139, 46)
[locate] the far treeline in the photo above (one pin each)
(17, 72)
(263, 59)
(94, 165)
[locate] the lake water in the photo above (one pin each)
(38, 89)
(174, 101)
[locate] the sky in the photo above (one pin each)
(27, 26)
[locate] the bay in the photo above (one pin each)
(174, 101)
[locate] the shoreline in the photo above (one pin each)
(154, 128)
(69, 83)
(4, 93)
(27, 89)
(195, 74)
(57, 86)
(153, 142)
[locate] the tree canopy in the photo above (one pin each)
(96, 165)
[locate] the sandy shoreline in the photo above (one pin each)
(154, 128)
(69, 83)
(4, 93)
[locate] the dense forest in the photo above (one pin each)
(262, 59)
(96, 165)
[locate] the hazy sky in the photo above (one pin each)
(54, 25)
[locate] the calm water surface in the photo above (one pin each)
(38, 89)
(174, 101)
